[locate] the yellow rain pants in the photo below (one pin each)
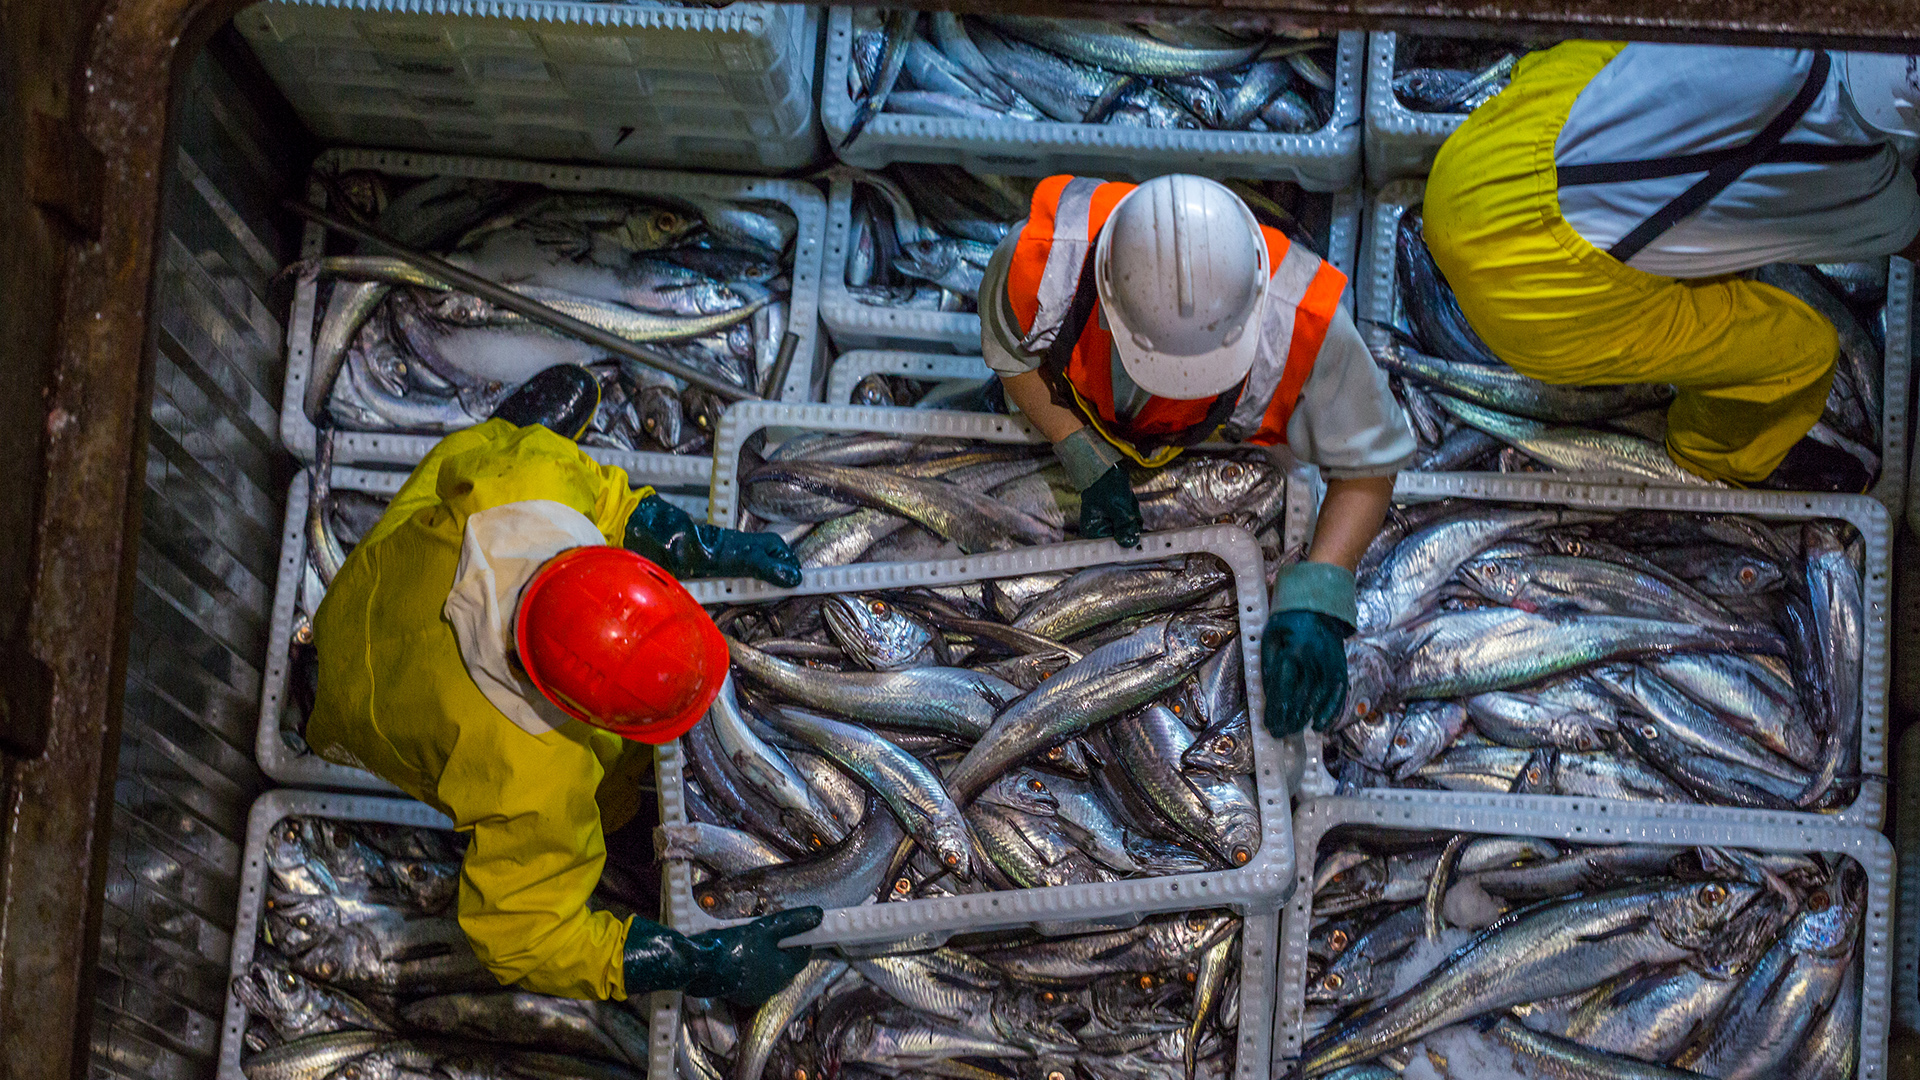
(1753, 363)
(395, 698)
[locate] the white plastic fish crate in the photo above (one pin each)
(850, 367)
(1324, 160)
(856, 325)
(1876, 575)
(1259, 886)
(1906, 842)
(628, 84)
(280, 803)
(742, 420)
(678, 470)
(1399, 141)
(1379, 289)
(276, 758)
(1259, 946)
(1589, 822)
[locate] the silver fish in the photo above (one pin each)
(768, 772)
(730, 851)
(951, 701)
(877, 634)
(1103, 594)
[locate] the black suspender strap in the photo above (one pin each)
(1723, 167)
(1616, 172)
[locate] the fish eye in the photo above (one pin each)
(1231, 472)
(1224, 744)
(1241, 855)
(327, 969)
(1361, 708)
(1192, 977)
(1338, 939)
(288, 980)
(1196, 925)
(1712, 894)
(1034, 784)
(1056, 753)
(1819, 901)
(1747, 575)
(1533, 775)
(1048, 997)
(799, 1074)
(878, 607)
(1648, 731)
(1145, 982)
(950, 859)
(302, 921)
(902, 887)
(1341, 876)
(1333, 981)
(1176, 708)
(1056, 1075)
(1401, 741)
(708, 901)
(1210, 638)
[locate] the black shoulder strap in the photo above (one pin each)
(1722, 174)
(1618, 172)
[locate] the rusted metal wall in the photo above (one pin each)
(209, 528)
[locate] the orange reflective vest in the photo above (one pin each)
(1048, 261)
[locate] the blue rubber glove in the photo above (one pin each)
(1109, 508)
(1303, 666)
(669, 536)
(1303, 654)
(743, 964)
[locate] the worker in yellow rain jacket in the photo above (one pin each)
(1595, 217)
(498, 648)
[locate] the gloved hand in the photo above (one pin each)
(1109, 508)
(1107, 505)
(562, 397)
(669, 536)
(1303, 655)
(743, 964)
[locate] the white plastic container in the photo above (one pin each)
(1261, 885)
(1591, 823)
(1906, 842)
(1324, 160)
(1258, 946)
(856, 325)
(1399, 142)
(297, 588)
(677, 470)
(849, 368)
(267, 811)
(1379, 298)
(623, 84)
(1863, 513)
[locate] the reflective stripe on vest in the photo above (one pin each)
(1303, 296)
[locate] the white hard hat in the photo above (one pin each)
(1885, 90)
(1182, 271)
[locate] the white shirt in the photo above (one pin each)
(1655, 101)
(501, 550)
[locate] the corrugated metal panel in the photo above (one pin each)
(209, 535)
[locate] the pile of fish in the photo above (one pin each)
(1459, 954)
(700, 280)
(873, 497)
(1451, 75)
(361, 972)
(1158, 1001)
(1050, 729)
(921, 235)
(1472, 412)
(1647, 655)
(1086, 71)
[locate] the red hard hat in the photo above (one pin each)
(613, 640)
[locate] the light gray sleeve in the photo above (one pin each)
(1347, 421)
(1000, 331)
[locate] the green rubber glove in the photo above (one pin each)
(669, 536)
(1108, 508)
(744, 964)
(1303, 668)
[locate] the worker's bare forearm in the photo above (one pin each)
(1028, 392)
(1350, 517)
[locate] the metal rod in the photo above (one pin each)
(533, 309)
(776, 387)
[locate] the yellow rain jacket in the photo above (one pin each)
(1753, 364)
(396, 699)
